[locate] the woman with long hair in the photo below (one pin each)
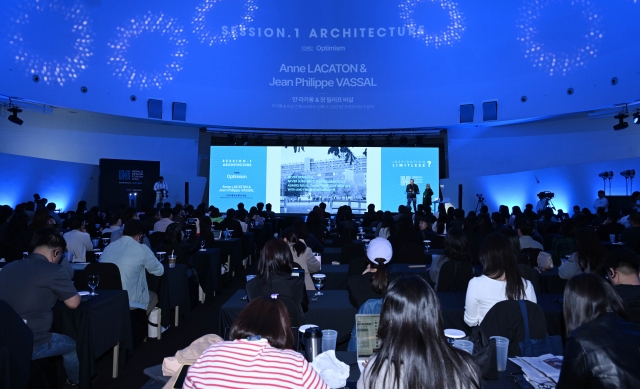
(603, 348)
(173, 243)
(259, 354)
(587, 258)
(373, 282)
(455, 249)
(501, 280)
(414, 352)
(388, 226)
(274, 276)
(302, 255)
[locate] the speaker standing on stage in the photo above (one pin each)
(162, 190)
(412, 191)
(426, 197)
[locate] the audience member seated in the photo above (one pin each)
(78, 241)
(525, 231)
(230, 223)
(500, 280)
(411, 335)
(167, 218)
(425, 232)
(404, 235)
(302, 255)
(259, 355)
(32, 286)
(269, 214)
(133, 258)
(127, 215)
(17, 237)
(274, 276)
(42, 219)
(565, 243)
(621, 268)
(51, 207)
(610, 226)
(388, 226)
(602, 347)
(455, 249)
(310, 240)
(630, 236)
(347, 227)
(372, 283)
(588, 256)
(115, 223)
(174, 243)
(369, 216)
(315, 224)
(255, 217)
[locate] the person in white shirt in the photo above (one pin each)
(167, 218)
(78, 241)
(115, 223)
(162, 190)
(525, 232)
(601, 202)
(500, 280)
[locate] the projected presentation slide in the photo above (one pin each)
(294, 180)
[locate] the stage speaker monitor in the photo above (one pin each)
(466, 113)
(489, 110)
(179, 111)
(154, 108)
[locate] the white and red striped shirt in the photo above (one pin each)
(251, 364)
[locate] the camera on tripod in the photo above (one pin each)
(480, 198)
(546, 195)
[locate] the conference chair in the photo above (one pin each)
(16, 347)
(109, 275)
(455, 276)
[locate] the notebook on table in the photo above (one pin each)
(366, 337)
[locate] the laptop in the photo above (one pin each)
(366, 337)
(217, 234)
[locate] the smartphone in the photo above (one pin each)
(181, 377)
(191, 220)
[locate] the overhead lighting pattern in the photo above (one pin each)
(165, 27)
(621, 123)
(13, 118)
(452, 32)
(558, 62)
(206, 35)
(65, 65)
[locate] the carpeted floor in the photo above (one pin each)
(203, 320)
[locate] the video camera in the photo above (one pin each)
(546, 195)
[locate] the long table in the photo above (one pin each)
(331, 311)
(97, 326)
(230, 252)
(173, 292)
(207, 264)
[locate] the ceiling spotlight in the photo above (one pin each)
(13, 118)
(343, 140)
(621, 123)
(403, 141)
(628, 173)
(354, 142)
(636, 117)
(324, 141)
(230, 140)
(280, 141)
(370, 140)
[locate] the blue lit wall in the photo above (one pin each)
(225, 58)
(64, 183)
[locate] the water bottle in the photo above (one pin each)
(312, 343)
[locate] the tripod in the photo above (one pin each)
(480, 204)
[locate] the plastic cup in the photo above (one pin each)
(160, 255)
(464, 345)
(329, 338)
(98, 254)
(502, 349)
(172, 260)
(612, 238)
(95, 242)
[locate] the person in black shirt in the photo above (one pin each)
(412, 191)
(621, 269)
(231, 224)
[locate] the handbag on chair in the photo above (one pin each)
(536, 347)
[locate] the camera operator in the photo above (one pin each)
(542, 202)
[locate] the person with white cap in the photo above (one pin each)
(372, 283)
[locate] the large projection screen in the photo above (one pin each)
(294, 180)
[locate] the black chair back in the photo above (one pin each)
(528, 273)
(155, 239)
(109, 275)
(16, 347)
(410, 253)
(529, 256)
(505, 319)
(350, 252)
